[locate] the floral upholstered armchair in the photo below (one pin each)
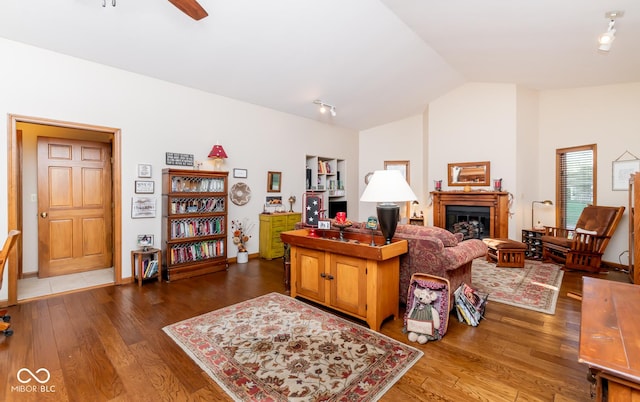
(434, 251)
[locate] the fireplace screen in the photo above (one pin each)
(472, 221)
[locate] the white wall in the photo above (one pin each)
(400, 140)
(526, 189)
(518, 130)
(474, 123)
(157, 117)
(607, 116)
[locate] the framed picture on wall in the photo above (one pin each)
(144, 170)
(144, 187)
(240, 173)
(403, 168)
(274, 182)
(469, 174)
(143, 207)
(621, 171)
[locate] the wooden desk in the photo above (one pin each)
(610, 338)
(349, 276)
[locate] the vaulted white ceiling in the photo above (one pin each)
(377, 61)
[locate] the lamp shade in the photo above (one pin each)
(387, 186)
(217, 152)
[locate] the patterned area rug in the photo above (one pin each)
(534, 287)
(276, 348)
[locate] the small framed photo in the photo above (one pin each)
(240, 173)
(144, 170)
(144, 186)
(324, 225)
(145, 240)
(274, 200)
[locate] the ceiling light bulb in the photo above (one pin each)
(607, 37)
(323, 109)
(333, 111)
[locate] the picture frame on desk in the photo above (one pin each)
(145, 240)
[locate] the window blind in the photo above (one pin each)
(576, 183)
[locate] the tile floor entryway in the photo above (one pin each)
(35, 287)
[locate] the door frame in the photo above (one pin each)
(15, 195)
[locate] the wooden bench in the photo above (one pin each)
(505, 252)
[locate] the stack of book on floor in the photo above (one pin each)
(469, 304)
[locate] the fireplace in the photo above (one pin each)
(474, 222)
(489, 209)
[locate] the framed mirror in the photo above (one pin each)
(403, 168)
(469, 173)
(274, 182)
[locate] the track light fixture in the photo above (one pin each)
(606, 39)
(324, 107)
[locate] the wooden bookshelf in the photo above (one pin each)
(194, 222)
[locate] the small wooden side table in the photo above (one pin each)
(138, 257)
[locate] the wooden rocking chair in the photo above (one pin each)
(5, 325)
(583, 247)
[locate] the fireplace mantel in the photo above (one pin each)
(497, 201)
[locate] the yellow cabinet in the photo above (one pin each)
(271, 225)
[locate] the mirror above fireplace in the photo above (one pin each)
(469, 174)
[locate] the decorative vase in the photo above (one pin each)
(242, 257)
(497, 184)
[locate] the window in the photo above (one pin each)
(576, 183)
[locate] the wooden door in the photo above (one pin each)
(308, 273)
(74, 206)
(348, 284)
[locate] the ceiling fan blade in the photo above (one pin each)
(191, 8)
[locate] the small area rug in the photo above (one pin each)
(276, 348)
(534, 287)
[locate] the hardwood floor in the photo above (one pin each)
(106, 344)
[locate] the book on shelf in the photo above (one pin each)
(324, 167)
(150, 268)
